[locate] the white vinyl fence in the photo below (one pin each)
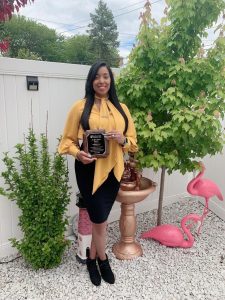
(59, 86)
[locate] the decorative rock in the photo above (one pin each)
(161, 273)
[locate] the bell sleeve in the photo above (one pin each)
(69, 141)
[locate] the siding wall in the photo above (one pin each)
(59, 86)
(215, 170)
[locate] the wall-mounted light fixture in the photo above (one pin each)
(32, 83)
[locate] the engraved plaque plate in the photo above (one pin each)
(95, 143)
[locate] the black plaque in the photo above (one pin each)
(95, 143)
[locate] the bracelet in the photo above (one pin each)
(125, 142)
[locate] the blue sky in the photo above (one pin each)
(71, 17)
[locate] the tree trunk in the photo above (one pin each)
(159, 214)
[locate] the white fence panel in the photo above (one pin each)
(59, 86)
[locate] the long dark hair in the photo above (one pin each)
(90, 95)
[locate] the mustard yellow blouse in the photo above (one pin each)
(108, 118)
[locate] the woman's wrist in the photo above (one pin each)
(77, 156)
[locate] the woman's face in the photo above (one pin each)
(101, 84)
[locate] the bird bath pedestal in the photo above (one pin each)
(127, 247)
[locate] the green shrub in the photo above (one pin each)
(39, 185)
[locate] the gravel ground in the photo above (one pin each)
(162, 273)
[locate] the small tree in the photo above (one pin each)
(27, 54)
(175, 89)
(104, 35)
(39, 185)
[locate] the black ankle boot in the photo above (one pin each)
(93, 270)
(106, 271)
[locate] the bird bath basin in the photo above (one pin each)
(127, 247)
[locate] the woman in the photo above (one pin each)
(98, 179)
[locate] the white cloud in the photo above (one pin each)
(72, 17)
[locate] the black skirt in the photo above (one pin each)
(100, 203)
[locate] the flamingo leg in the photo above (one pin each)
(205, 212)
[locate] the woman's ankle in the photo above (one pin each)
(102, 257)
(89, 254)
(106, 271)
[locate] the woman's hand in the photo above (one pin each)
(115, 135)
(85, 158)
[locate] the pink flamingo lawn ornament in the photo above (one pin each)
(172, 236)
(205, 188)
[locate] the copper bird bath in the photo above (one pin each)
(127, 247)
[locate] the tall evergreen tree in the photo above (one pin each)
(104, 35)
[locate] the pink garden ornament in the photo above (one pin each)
(205, 188)
(172, 236)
